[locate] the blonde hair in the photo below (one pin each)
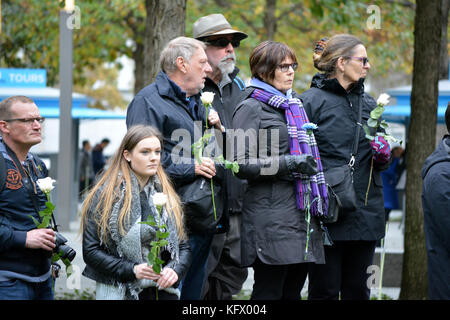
(328, 51)
(109, 188)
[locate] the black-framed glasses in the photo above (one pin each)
(27, 120)
(364, 60)
(223, 42)
(285, 67)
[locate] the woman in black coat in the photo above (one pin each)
(274, 229)
(332, 103)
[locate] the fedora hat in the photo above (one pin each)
(214, 24)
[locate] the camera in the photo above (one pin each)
(64, 250)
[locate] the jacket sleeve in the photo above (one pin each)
(10, 238)
(184, 262)
(249, 153)
(436, 199)
(98, 258)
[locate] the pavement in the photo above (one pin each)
(78, 287)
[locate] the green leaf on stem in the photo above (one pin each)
(163, 243)
(50, 206)
(373, 123)
(377, 112)
(37, 223)
(384, 124)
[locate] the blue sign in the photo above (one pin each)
(27, 78)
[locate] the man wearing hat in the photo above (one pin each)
(225, 276)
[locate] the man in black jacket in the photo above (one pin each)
(436, 204)
(225, 276)
(172, 105)
(25, 251)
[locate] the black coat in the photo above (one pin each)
(335, 112)
(272, 227)
(436, 211)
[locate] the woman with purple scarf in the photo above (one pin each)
(281, 233)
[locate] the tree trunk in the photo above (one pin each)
(270, 22)
(165, 21)
(422, 131)
(443, 68)
(138, 57)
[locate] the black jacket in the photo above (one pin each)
(436, 211)
(334, 110)
(225, 101)
(103, 263)
(273, 229)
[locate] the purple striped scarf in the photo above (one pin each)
(300, 143)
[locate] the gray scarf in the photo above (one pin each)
(135, 244)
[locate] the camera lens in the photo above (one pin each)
(67, 252)
(64, 250)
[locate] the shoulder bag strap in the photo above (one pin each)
(357, 132)
(2, 172)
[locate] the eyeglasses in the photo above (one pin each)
(364, 60)
(223, 42)
(27, 120)
(285, 67)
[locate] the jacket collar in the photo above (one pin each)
(442, 153)
(171, 90)
(320, 81)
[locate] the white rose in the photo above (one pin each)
(159, 199)
(207, 97)
(383, 99)
(46, 184)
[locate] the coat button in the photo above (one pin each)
(259, 249)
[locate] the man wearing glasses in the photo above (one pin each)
(225, 276)
(25, 251)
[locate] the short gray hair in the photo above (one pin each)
(179, 47)
(6, 104)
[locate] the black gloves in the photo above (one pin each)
(302, 163)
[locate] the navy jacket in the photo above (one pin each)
(436, 211)
(15, 208)
(163, 105)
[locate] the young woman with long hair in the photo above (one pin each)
(115, 243)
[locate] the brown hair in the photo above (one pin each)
(266, 57)
(6, 104)
(118, 172)
(328, 51)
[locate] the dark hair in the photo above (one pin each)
(6, 104)
(328, 51)
(85, 142)
(106, 140)
(266, 57)
(447, 117)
